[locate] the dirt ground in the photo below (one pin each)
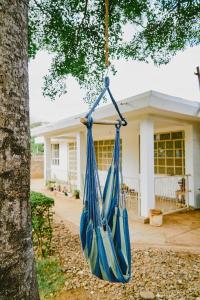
(156, 273)
(165, 260)
(77, 294)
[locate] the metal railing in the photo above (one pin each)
(171, 192)
(132, 194)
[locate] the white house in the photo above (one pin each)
(160, 150)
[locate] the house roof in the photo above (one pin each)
(151, 102)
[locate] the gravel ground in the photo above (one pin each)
(157, 273)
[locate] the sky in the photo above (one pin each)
(176, 78)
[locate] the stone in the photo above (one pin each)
(66, 283)
(80, 272)
(147, 295)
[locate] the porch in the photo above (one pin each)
(159, 170)
(160, 151)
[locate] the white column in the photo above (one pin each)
(192, 163)
(81, 160)
(47, 159)
(147, 166)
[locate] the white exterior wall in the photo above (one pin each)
(192, 155)
(130, 156)
(60, 172)
(81, 161)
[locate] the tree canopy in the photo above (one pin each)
(73, 31)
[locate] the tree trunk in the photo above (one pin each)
(17, 267)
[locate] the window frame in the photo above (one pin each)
(173, 156)
(104, 153)
(55, 154)
(72, 161)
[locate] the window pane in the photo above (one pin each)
(165, 136)
(161, 162)
(178, 162)
(177, 135)
(170, 153)
(161, 153)
(161, 170)
(161, 145)
(178, 153)
(178, 171)
(170, 162)
(170, 171)
(169, 145)
(178, 144)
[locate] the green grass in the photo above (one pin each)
(50, 277)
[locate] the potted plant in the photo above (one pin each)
(50, 185)
(76, 194)
(65, 191)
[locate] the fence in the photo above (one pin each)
(37, 166)
(171, 192)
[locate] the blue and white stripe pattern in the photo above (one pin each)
(104, 232)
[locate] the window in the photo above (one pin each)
(72, 162)
(104, 153)
(169, 153)
(55, 154)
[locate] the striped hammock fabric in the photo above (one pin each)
(104, 228)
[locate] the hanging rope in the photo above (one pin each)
(106, 33)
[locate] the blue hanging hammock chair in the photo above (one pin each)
(104, 228)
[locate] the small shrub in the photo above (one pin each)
(50, 185)
(42, 219)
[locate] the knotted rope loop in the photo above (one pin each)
(124, 122)
(89, 122)
(118, 126)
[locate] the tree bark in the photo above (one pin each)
(17, 267)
